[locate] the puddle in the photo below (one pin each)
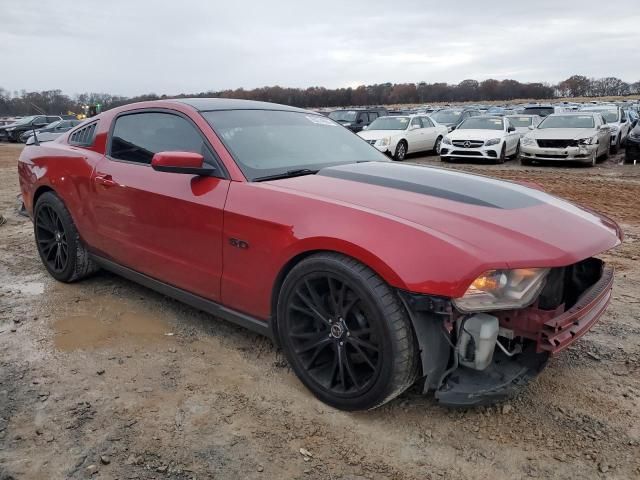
(108, 326)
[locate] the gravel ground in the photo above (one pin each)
(107, 379)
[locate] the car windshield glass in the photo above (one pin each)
(343, 116)
(447, 116)
(542, 111)
(54, 124)
(389, 123)
(567, 121)
(520, 121)
(24, 120)
(609, 115)
(267, 142)
(479, 123)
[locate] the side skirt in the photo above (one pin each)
(259, 326)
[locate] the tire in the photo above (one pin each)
(614, 148)
(401, 151)
(503, 154)
(436, 146)
(58, 242)
(333, 311)
(517, 152)
(594, 160)
(605, 155)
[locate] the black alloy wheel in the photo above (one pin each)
(59, 245)
(52, 239)
(331, 334)
(345, 333)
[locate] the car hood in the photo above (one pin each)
(377, 134)
(502, 224)
(563, 133)
(472, 134)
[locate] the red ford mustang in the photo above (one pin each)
(371, 275)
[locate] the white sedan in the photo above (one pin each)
(399, 135)
(484, 137)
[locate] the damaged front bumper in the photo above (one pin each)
(571, 303)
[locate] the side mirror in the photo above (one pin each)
(511, 129)
(604, 127)
(365, 127)
(532, 127)
(180, 162)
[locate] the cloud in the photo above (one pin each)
(134, 47)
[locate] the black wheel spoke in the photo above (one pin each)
(349, 367)
(341, 367)
(319, 340)
(309, 303)
(315, 355)
(317, 301)
(362, 343)
(364, 356)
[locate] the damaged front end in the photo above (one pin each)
(472, 358)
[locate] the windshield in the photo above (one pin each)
(482, 123)
(520, 121)
(54, 124)
(389, 123)
(447, 116)
(24, 120)
(568, 121)
(609, 115)
(542, 111)
(267, 142)
(343, 116)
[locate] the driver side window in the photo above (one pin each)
(137, 137)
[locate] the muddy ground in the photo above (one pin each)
(108, 379)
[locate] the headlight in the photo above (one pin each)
(383, 142)
(446, 141)
(527, 141)
(493, 141)
(588, 141)
(502, 290)
(346, 124)
(10, 129)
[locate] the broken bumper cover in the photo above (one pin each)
(465, 387)
(560, 332)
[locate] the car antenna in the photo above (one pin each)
(35, 138)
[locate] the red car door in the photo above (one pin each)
(165, 225)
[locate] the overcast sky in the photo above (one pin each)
(140, 46)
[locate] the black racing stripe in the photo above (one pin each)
(454, 186)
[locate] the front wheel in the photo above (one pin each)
(614, 148)
(345, 333)
(59, 245)
(437, 145)
(503, 154)
(401, 151)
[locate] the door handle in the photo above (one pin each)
(105, 180)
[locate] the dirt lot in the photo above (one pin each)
(107, 379)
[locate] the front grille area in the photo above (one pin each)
(468, 143)
(557, 143)
(371, 142)
(552, 156)
(468, 153)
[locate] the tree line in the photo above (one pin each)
(56, 102)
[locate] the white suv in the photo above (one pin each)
(485, 137)
(399, 135)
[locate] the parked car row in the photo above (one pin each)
(47, 128)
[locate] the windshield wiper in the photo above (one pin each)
(288, 174)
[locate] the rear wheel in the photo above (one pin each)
(614, 148)
(345, 333)
(58, 241)
(401, 151)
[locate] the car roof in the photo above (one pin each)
(210, 104)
